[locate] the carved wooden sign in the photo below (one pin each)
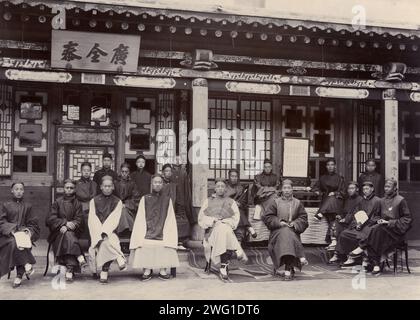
(257, 88)
(94, 51)
(86, 136)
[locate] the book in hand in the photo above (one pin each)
(23, 240)
(361, 217)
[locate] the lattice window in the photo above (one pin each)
(255, 124)
(239, 136)
(409, 132)
(6, 130)
(366, 135)
(165, 135)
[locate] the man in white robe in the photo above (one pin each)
(154, 239)
(103, 220)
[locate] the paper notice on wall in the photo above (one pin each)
(295, 157)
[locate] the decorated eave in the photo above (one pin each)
(217, 14)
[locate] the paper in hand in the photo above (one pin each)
(23, 240)
(361, 217)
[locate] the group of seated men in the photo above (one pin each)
(155, 212)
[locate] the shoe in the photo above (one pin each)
(29, 270)
(278, 273)
(82, 261)
(224, 272)
(354, 255)
(17, 282)
(103, 278)
(334, 259)
(376, 271)
(289, 275)
(164, 276)
(332, 245)
(350, 262)
(303, 261)
(318, 216)
(69, 277)
(146, 276)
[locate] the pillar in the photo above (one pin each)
(391, 142)
(200, 99)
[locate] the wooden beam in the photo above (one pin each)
(234, 59)
(239, 76)
(24, 45)
(199, 159)
(391, 134)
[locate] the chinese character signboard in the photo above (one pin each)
(94, 51)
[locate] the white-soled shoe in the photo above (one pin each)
(103, 278)
(17, 282)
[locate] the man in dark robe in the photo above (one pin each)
(332, 188)
(389, 228)
(104, 171)
(154, 239)
(176, 185)
(104, 217)
(239, 193)
(286, 219)
(141, 177)
(343, 221)
(17, 216)
(86, 189)
(126, 190)
(65, 221)
(371, 175)
(265, 187)
(356, 231)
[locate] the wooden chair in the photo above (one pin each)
(401, 248)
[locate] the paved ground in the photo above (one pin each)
(194, 284)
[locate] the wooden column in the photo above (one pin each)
(200, 102)
(390, 134)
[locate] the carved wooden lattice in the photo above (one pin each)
(6, 129)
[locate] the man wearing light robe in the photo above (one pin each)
(104, 217)
(154, 239)
(219, 217)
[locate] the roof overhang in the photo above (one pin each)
(382, 16)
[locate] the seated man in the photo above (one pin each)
(332, 188)
(349, 238)
(104, 217)
(238, 193)
(343, 221)
(155, 235)
(265, 187)
(286, 219)
(389, 229)
(65, 221)
(126, 190)
(219, 217)
(17, 216)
